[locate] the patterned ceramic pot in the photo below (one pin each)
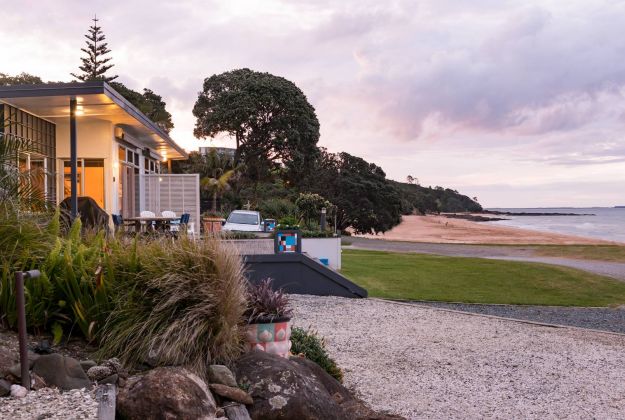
(272, 337)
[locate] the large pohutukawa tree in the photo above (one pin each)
(270, 118)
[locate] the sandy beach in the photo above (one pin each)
(439, 229)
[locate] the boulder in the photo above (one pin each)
(18, 391)
(296, 388)
(5, 388)
(61, 371)
(87, 364)
(220, 374)
(231, 393)
(165, 393)
(110, 379)
(97, 373)
(237, 412)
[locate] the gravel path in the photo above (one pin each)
(606, 319)
(49, 403)
(512, 253)
(426, 363)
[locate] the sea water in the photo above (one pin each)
(606, 223)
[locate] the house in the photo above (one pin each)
(119, 152)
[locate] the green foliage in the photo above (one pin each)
(270, 118)
(149, 103)
(277, 208)
(416, 198)
(20, 79)
(178, 303)
(477, 280)
(364, 198)
(94, 64)
(288, 222)
(310, 205)
(309, 344)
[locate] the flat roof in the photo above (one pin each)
(98, 100)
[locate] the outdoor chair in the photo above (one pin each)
(118, 222)
(147, 213)
(185, 224)
(174, 225)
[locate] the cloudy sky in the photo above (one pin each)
(518, 102)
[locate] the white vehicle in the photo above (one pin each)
(244, 221)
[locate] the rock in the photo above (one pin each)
(110, 379)
(62, 372)
(43, 347)
(166, 393)
(16, 370)
(220, 374)
(97, 373)
(237, 412)
(37, 382)
(295, 388)
(220, 412)
(87, 364)
(231, 393)
(31, 359)
(5, 388)
(7, 359)
(121, 382)
(114, 364)
(18, 391)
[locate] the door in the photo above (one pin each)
(90, 179)
(127, 190)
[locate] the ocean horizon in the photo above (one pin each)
(607, 223)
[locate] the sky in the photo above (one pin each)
(519, 103)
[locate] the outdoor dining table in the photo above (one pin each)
(159, 222)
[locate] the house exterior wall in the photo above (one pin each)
(94, 141)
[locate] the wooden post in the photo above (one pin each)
(105, 396)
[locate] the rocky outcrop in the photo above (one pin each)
(296, 388)
(165, 393)
(61, 371)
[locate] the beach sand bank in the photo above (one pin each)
(439, 229)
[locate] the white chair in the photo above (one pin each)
(147, 213)
(174, 225)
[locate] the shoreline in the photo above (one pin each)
(444, 230)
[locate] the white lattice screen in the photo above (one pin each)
(179, 193)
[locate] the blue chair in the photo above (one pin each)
(118, 221)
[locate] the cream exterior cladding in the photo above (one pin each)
(116, 144)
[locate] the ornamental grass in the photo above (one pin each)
(176, 303)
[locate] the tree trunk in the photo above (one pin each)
(214, 201)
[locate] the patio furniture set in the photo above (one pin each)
(149, 222)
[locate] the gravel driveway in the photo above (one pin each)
(428, 363)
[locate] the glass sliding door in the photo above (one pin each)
(90, 180)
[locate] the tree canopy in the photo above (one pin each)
(269, 117)
(94, 64)
(20, 79)
(148, 102)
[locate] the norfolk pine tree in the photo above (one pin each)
(94, 65)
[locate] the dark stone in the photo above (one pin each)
(5, 388)
(296, 388)
(87, 364)
(110, 379)
(16, 370)
(231, 393)
(62, 372)
(43, 347)
(165, 393)
(220, 374)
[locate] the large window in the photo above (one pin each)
(40, 152)
(90, 179)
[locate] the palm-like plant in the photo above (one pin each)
(15, 184)
(216, 186)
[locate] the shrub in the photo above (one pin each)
(289, 222)
(266, 304)
(309, 344)
(177, 303)
(277, 208)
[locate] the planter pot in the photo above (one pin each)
(272, 337)
(212, 224)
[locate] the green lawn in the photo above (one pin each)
(478, 280)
